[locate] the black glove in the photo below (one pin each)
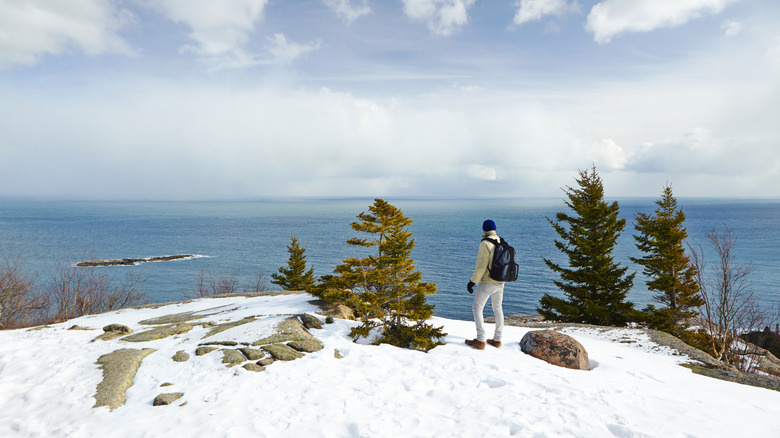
(470, 287)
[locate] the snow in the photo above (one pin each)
(634, 389)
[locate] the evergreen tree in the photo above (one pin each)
(594, 284)
(670, 272)
(294, 276)
(384, 289)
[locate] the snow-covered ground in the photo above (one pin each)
(635, 389)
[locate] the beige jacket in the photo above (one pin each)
(485, 258)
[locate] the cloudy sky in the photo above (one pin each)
(207, 99)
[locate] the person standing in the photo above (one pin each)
(488, 288)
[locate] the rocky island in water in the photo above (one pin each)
(130, 262)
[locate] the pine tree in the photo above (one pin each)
(596, 286)
(669, 270)
(384, 289)
(295, 276)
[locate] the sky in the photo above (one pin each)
(198, 99)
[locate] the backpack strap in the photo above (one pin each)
(495, 244)
(493, 241)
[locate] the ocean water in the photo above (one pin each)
(248, 238)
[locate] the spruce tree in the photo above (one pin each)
(383, 288)
(596, 286)
(670, 272)
(295, 276)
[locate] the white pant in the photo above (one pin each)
(494, 291)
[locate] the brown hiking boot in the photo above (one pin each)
(496, 344)
(475, 343)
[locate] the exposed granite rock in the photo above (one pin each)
(166, 384)
(289, 329)
(181, 356)
(119, 328)
(223, 343)
(268, 360)
(159, 332)
(309, 346)
(166, 399)
(219, 328)
(200, 351)
(310, 322)
(335, 310)
(555, 348)
(253, 367)
(113, 331)
(337, 354)
(252, 353)
(232, 357)
(119, 368)
(282, 352)
(173, 318)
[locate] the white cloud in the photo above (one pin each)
(443, 16)
(285, 52)
(731, 28)
(347, 10)
(33, 28)
(698, 151)
(219, 29)
(533, 10)
(608, 155)
(610, 18)
(484, 173)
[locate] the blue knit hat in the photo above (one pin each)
(488, 225)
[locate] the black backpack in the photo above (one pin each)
(503, 267)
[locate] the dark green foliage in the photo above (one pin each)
(295, 276)
(766, 339)
(383, 289)
(594, 284)
(670, 272)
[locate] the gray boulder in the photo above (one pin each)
(252, 353)
(200, 351)
(112, 331)
(282, 352)
(310, 322)
(309, 346)
(232, 357)
(181, 356)
(555, 348)
(166, 399)
(253, 367)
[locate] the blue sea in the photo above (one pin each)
(247, 238)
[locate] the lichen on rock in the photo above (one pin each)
(282, 352)
(181, 356)
(253, 367)
(232, 357)
(159, 332)
(119, 368)
(308, 346)
(252, 353)
(288, 330)
(200, 351)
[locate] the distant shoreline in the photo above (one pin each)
(132, 262)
